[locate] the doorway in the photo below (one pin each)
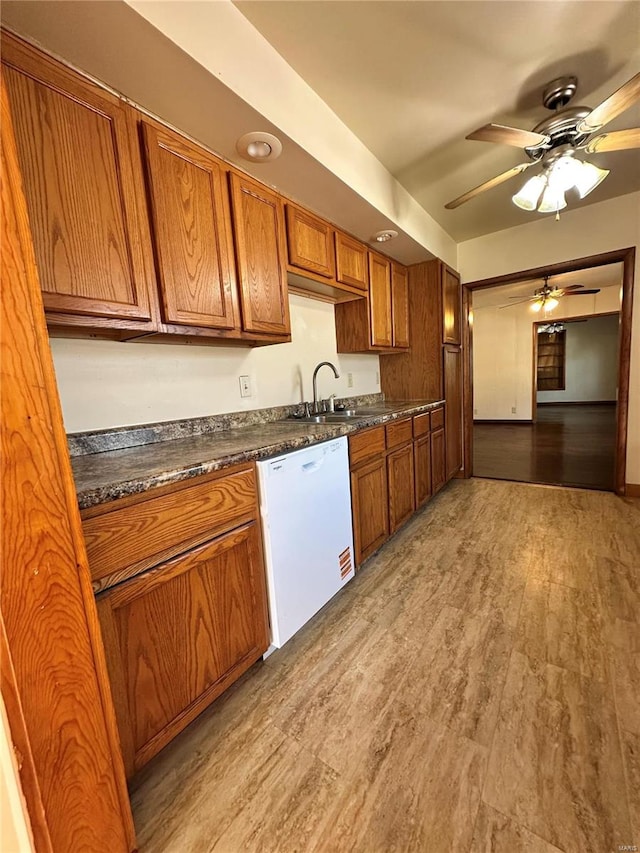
(547, 391)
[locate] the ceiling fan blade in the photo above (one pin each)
(618, 140)
(509, 136)
(582, 292)
(572, 287)
(522, 298)
(612, 106)
(513, 304)
(488, 185)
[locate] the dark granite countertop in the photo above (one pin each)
(106, 476)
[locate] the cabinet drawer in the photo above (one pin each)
(437, 418)
(363, 445)
(399, 432)
(154, 528)
(421, 424)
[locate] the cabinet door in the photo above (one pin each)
(380, 300)
(177, 636)
(453, 408)
(310, 242)
(400, 305)
(438, 470)
(258, 220)
(422, 466)
(401, 486)
(84, 187)
(352, 265)
(369, 504)
(192, 230)
(451, 306)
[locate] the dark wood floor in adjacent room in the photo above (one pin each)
(568, 445)
(473, 690)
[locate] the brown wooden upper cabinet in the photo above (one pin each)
(82, 175)
(352, 265)
(451, 306)
(192, 231)
(380, 301)
(400, 305)
(310, 242)
(258, 220)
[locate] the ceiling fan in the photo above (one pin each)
(547, 296)
(554, 143)
(556, 326)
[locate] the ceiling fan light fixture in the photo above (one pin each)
(588, 177)
(529, 195)
(553, 200)
(536, 306)
(551, 303)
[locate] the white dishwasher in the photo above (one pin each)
(305, 502)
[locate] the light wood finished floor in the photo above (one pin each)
(476, 688)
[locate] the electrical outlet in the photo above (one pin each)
(513, 410)
(349, 380)
(377, 378)
(245, 386)
(475, 411)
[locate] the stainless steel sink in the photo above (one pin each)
(329, 417)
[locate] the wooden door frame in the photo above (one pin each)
(624, 256)
(534, 349)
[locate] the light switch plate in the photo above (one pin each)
(349, 380)
(245, 386)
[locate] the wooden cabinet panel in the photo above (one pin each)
(258, 220)
(352, 266)
(401, 486)
(400, 305)
(453, 408)
(438, 467)
(310, 242)
(366, 443)
(421, 424)
(370, 507)
(451, 306)
(422, 469)
(399, 432)
(380, 300)
(176, 635)
(437, 418)
(83, 182)
(141, 534)
(192, 230)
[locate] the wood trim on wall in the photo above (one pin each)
(632, 490)
(60, 711)
(627, 258)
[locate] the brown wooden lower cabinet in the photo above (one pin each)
(370, 507)
(176, 636)
(438, 467)
(422, 469)
(401, 486)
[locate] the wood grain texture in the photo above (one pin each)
(401, 485)
(451, 306)
(192, 231)
(47, 606)
(417, 374)
(438, 462)
(141, 533)
(365, 444)
(83, 183)
(176, 636)
(422, 469)
(310, 242)
(369, 506)
(352, 265)
(452, 370)
(398, 432)
(400, 305)
(437, 418)
(421, 424)
(380, 301)
(258, 220)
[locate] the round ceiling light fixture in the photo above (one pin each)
(259, 146)
(383, 236)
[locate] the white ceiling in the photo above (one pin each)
(412, 79)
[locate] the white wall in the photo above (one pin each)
(503, 351)
(603, 227)
(106, 383)
(591, 362)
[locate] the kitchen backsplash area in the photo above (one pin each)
(106, 384)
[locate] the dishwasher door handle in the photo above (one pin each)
(310, 467)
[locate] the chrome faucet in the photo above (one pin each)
(315, 382)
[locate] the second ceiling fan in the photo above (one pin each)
(553, 143)
(547, 296)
